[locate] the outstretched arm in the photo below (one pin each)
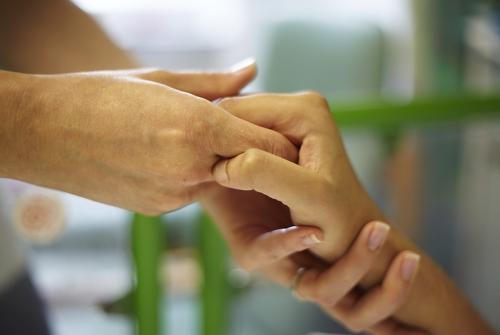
(94, 133)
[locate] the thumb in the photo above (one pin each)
(208, 85)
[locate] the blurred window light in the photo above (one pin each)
(177, 24)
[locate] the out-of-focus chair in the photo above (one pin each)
(341, 61)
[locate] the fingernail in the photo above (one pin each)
(378, 235)
(409, 265)
(220, 172)
(242, 65)
(310, 240)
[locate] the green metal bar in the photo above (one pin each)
(147, 242)
(216, 290)
(387, 114)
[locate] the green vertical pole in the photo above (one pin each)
(147, 239)
(216, 291)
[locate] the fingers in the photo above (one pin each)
(329, 286)
(279, 244)
(208, 85)
(234, 136)
(294, 115)
(304, 118)
(273, 176)
(383, 301)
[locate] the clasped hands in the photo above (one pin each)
(270, 169)
(290, 219)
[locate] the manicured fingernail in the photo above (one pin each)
(378, 235)
(220, 172)
(409, 265)
(242, 65)
(310, 240)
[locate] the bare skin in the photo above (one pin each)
(64, 39)
(322, 191)
(119, 139)
(374, 307)
(142, 139)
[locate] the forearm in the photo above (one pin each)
(43, 37)
(54, 36)
(14, 88)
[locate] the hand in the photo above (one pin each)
(119, 138)
(260, 232)
(322, 191)
(244, 215)
(335, 288)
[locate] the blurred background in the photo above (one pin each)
(440, 183)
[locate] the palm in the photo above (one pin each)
(244, 216)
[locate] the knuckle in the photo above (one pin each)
(250, 160)
(317, 106)
(312, 95)
(318, 101)
(315, 97)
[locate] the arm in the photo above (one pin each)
(54, 36)
(110, 136)
(116, 138)
(323, 191)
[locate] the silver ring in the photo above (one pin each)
(296, 281)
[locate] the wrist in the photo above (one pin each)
(435, 303)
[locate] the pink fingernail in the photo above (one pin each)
(310, 240)
(378, 235)
(409, 265)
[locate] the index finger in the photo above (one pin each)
(295, 115)
(304, 118)
(233, 136)
(273, 176)
(278, 244)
